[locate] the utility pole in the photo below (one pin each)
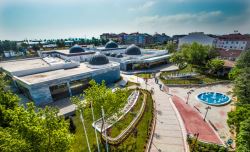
(105, 132)
(207, 108)
(84, 128)
(93, 116)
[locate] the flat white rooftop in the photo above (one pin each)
(24, 64)
(83, 69)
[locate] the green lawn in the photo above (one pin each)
(132, 84)
(134, 142)
(144, 75)
(118, 127)
(199, 79)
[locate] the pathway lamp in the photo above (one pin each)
(188, 93)
(207, 108)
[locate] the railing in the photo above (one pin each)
(118, 139)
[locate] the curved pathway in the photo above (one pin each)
(168, 131)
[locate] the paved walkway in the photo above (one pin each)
(168, 131)
(194, 122)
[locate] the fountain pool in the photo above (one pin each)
(213, 98)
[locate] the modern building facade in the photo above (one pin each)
(198, 37)
(48, 79)
(134, 58)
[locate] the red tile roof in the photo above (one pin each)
(228, 63)
(229, 53)
(236, 37)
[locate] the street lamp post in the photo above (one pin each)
(84, 128)
(93, 117)
(188, 93)
(207, 108)
(105, 131)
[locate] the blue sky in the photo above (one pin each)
(20, 19)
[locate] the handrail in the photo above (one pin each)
(130, 127)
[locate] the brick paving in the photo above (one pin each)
(194, 122)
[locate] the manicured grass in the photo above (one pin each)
(139, 137)
(144, 75)
(198, 79)
(132, 84)
(134, 142)
(118, 127)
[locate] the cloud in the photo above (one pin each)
(179, 18)
(145, 6)
(210, 22)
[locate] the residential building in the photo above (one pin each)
(234, 41)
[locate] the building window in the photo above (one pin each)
(231, 47)
(77, 86)
(59, 91)
(232, 42)
(226, 42)
(237, 42)
(242, 48)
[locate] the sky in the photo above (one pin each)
(47, 19)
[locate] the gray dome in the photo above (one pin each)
(113, 54)
(133, 50)
(111, 45)
(107, 54)
(119, 56)
(76, 49)
(98, 59)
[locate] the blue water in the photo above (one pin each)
(214, 98)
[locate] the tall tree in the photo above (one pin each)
(41, 129)
(30, 128)
(242, 86)
(214, 65)
(171, 47)
(195, 54)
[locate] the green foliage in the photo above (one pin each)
(242, 86)
(197, 146)
(101, 96)
(236, 117)
(195, 54)
(178, 59)
(135, 141)
(239, 119)
(171, 47)
(39, 129)
(242, 63)
(215, 65)
(243, 138)
(244, 60)
(30, 128)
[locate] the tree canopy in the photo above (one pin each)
(194, 54)
(240, 118)
(30, 128)
(215, 65)
(101, 96)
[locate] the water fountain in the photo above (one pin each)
(213, 98)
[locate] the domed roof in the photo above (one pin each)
(76, 49)
(113, 54)
(98, 59)
(133, 50)
(107, 54)
(119, 55)
(111, 45)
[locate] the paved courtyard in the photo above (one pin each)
(217, 115)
